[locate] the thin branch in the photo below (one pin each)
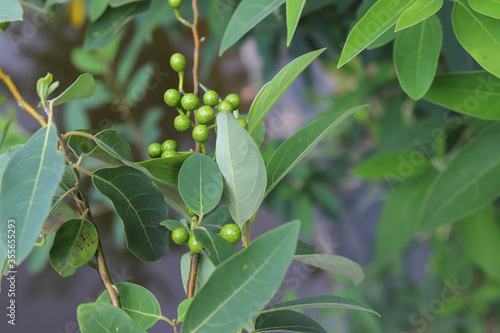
(193, 268)
(20, 100)
(87, 135)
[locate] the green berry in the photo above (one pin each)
(205, 114)
(190, 212)
(172, 98)
(169, 145)
(176, 4)
(234, 99)
(180, 235)
(182, 123)
(211, 98)
(231, 232)
(201, 133)
(243, 122)
(154, 150)
(193, 244)
(178, 62)
(225, 106)
(190, 102)
(169, 153)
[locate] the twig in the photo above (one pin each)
(193, 268)
(20, 100)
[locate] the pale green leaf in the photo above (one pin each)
(205, 270)
(335, 264)
(286, 321)
(11, 10)
(419, 11)
(293, 11)
(83, 87)
(165, 169)
(97, 8)
(105, 318)
(486, 7)
(182, 309)
(403, 164)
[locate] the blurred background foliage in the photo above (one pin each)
(438, 283)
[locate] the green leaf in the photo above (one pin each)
(271, 93)
(83, 87)
(118, 3)
(80, 145)
(113, 145)
(469, 182)
(39, 257)
(335, 264)
(6, 157)
(172, 224)
(3, 135)
(293, 11)
(478, 34)
(100, 33)
(319, 302)
(220, 217)
(138, 302)
(474, 93)
(165, 169)
(379, 18)
(246, 16)
(219, 249)
(97, 8)
(416, 55)
(29, 181)
(42, 88)
(182, 309)
(68, 180)
(205, 270)
(479, 234)
(100, 317)
(400, 216)
(90, 61)
(384, 39)
(11, 10)
(293, 150)
(286, 321)
(140, 205)
(486, 7)
(200, 183)
(404, 164)
(304, 248)
(242, 168)
(243, 284)
(419, 11)
(74, 245)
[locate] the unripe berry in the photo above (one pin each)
(176, 4)
(169, 153)
(182, 123)
(193, 244)
(172, 98)
(231, 232)
(225, 106)
(169, 145)
(178, 62)
(190, 102)
(211, 98)
(234, 99)
(180, 235)
(154, 150)
(201, 133)
(205, 114)
(243, 122)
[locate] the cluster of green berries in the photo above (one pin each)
(167, 149)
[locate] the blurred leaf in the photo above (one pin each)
(74, 245)
(205, 270)
(293, 11)
(100, 33)
(83, 87)
(150, 125)
(242, 168)
(418, 12)
(39, 257)
(379, 18)
(100, 317)
(335, 264)
(304, 249)
(473, 93)
(271, 93)
(138, 302)
(6, 127)
(320, 302)
(303, 210)
(286, 321)
(165, 169)
(141, 207)
(243, 284)
(402, 164)
(80, 145)
(11, 10)
(97, 8)
(469, 181)
(486, 7)
(247, 15)
(29, 181)
(200, 183)
(88, 61)
(326, 198)
(478, 34)
(139, 83)
(182, 309)
(118, 3)
(293, 150)
(400, 215)
(219, 248)
(416, 55)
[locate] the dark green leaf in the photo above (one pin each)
(105, 318)
(304, 248)
(402, 164)
(205, 270)
(242, 168)
(29, 181)
(419, 11)
(97, 8)
(68, 180)
(246, 16)
(6, 127)
(200, 183)
(220, 217)
(286, 321)
(114, 145)
(486, 7)
(474, 93)
(293, 11)
(243, 284)
(165, 169)
(83, 87)
(10, 11)
(335, 264)
(138, 302)
(140, 205)
(80, 145)
(74, 245)
(219, 249)
(118, 3)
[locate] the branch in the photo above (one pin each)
(20, 100)
(193, 268)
